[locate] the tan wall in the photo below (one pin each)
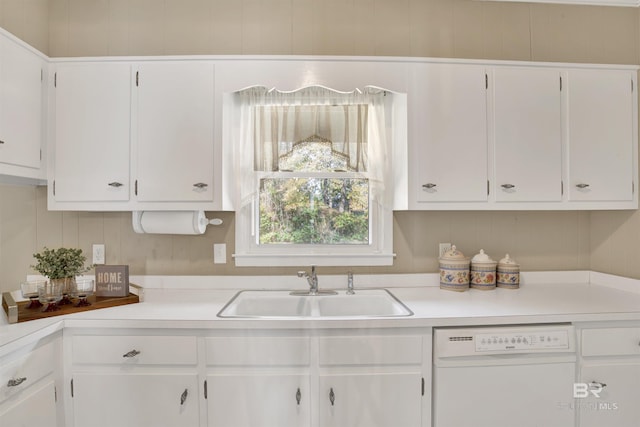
(439, 28)
(27, 20)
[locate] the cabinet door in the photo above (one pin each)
(617, 404)
(527, 132)
(135, 400)
(21, 74)
(600, 129)
(34, 408)
(370, 400)
(175, 131)
(266, 400)
(449, 133)
(92, 127)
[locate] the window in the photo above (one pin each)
(313, 171)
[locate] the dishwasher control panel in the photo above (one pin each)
(495, 340)
(522, 341)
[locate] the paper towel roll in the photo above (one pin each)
(169, 222)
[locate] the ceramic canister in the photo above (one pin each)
(483, 272)
(508, 273)
(454, 270)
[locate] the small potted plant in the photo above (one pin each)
(61, 266)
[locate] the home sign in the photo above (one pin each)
(112, 280)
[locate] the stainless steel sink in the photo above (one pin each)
(284, 304)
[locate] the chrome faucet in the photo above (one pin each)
(313, 284)
(312, 279)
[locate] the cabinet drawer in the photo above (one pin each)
(380, 350)
(135, 350)
(258, 351)
(19, 373)
(611, 342)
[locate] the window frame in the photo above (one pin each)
(379, 252)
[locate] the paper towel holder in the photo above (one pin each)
(200, 221)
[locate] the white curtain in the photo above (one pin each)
(354, 123)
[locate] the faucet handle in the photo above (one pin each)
(350, 283)
(302, 273)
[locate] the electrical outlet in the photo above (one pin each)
(220, 253)
(443, 247)
(98, 254)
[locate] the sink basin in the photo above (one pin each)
(378, 302)
(282, 304)
(266, 304)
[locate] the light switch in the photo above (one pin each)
(220, 253)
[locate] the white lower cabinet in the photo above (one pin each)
(616, 404)
(371, 380)
(258, 400)
(134, 380)
(28, 392)
(607, 393)
(319, 379)
(258, 380)
(248, 378)
(35, 408)
(154, 399)
(370, 399)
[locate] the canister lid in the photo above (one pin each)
(508, 261)
(453, 254)
(482, 258)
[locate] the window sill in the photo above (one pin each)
(321, 260)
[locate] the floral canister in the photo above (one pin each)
(454, 270)
(508, 273)
(483, 272)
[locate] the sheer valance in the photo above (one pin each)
(283, 120)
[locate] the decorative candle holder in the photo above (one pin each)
(83, 289)
(68, 285)
(50, 293)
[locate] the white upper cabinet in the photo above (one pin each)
(540, 137)
(174, 122)
(147, 134)
(92, 132)
(527, 134)
(21, 82)
(600, 145)
(448, 130)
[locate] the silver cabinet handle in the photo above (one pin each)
(132, 353)
(200, 185)
(115, 184)
(298, 396)
(183, 396)
(598, 383)
(332, 397)
(508, 186)
(428, 185)
(16, 382)
(582, 185)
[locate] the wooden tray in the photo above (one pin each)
(18, 311)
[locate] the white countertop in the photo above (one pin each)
(542, 298)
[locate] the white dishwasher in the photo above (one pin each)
(504, 376)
